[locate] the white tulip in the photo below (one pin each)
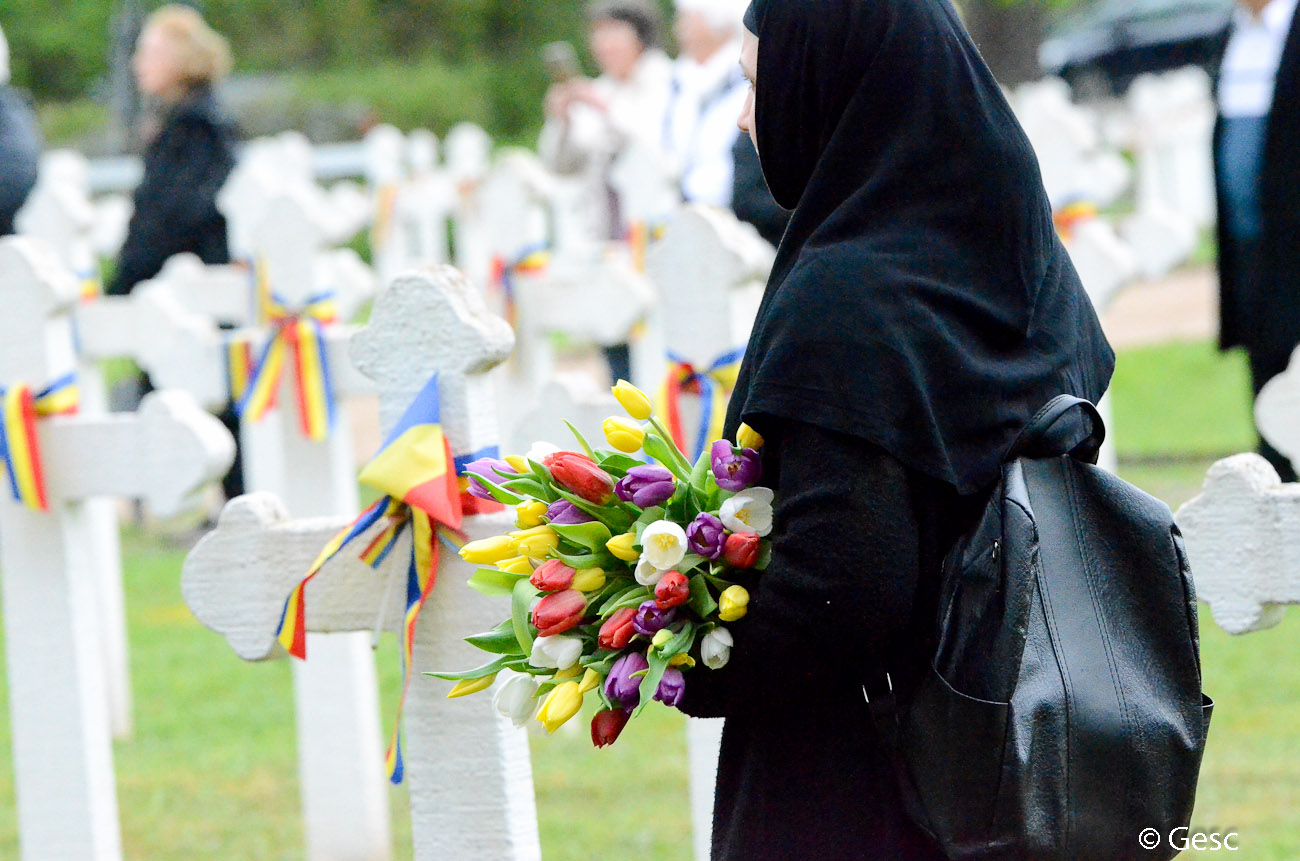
(557, 651)
(540, 451)
(715, 648)
(664, 544)
(647, 574)
(515, 699)
(748, 511)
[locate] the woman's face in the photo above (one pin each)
(749, 65)
(156, 66)
(615, 47)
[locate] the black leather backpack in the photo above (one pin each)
(1062, 715)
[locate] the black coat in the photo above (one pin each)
(751, 199)
(20, 155)
(858, 543)
(1271, 328)
(176, 202)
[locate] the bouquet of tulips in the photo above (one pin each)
(621, 573)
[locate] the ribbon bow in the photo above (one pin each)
(639, 236)
(90, 284)
(300, 335)
(532, 259)
(713, 385)
(19, 445)
(416, 471)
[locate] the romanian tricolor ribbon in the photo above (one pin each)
(239, 366)
(416, 471)
(639, 236)
(90, 284)
(300, 337)
(19, 444)
(713, 385)
(532, 260)
(385, 207)
(1071, 215)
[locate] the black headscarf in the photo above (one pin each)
(920, 298)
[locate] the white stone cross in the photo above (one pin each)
(572, 397)
(59, 213)
(470, 778)
(467, 156)
(1277, 410)
(67, 803)
(710, 270)
(1172, 119)
(417, 205)
(1240, 534)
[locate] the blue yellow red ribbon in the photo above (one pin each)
(385, 207)
(639, 237)
(1071, 215)
(90, 284)
(415, 469)
(532, 259)
(713, 385)
(299, 337)
(19, 444)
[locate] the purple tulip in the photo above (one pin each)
(646, 486)
(562, 512)
(735, 471)
(671, 687)
(485, 470)
(621, 686)
(649, 618)
(706, 536)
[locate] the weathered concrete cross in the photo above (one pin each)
(67, 806)
(469, 772)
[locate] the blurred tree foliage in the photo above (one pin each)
(492, 47)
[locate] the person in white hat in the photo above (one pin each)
(20, 146)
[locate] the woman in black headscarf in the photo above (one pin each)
(920, 310)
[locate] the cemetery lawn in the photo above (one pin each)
(211, 769)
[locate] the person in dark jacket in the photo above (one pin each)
(1257, 177)
(20, 146)
(177, 62)
(920, 310)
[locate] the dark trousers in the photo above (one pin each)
(619, 357)
(1264, 367)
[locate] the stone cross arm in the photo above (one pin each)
(237, 579)
(1243, 543)
(1277, 411)
(161, 453)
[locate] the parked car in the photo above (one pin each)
(1103, 46)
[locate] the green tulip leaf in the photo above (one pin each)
(701, 600)
(630, 596)
(680, 641)
(616, 462)
(613, 517)
(601, 559)
(589, 535)
(523, 595)
(582, 441)
(666, 455)
(528, 487)
(500, 640)
(650, 515)
(764, 556)
(500, 494)
(487, 669)
(650, 681)
(494, 583)
(689, 562)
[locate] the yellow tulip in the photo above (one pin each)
(623, 434)
(516, 565)
(682, 660)
(590, 681)
(489, 551)
(568, 672)
(733, 603)
(633, 400)
(747, 437)
(465, 687)
(529, 513)
(536, 542)
(624, 547)
(518, 463)
(560, 705)
(662, 636)
(588, 580)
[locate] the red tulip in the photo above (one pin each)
(671, 590)
(607, 725)
(617, 631)
(741, 549)
(552, 576)
(580, 475)
(558, 612)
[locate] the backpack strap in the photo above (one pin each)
(1046, 436)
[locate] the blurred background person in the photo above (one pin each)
(589, 122)
(1257, 171)
(20, 146)
(178, 60)
(700, 133)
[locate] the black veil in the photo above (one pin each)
(921, 298)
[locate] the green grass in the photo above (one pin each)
(211, 770)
